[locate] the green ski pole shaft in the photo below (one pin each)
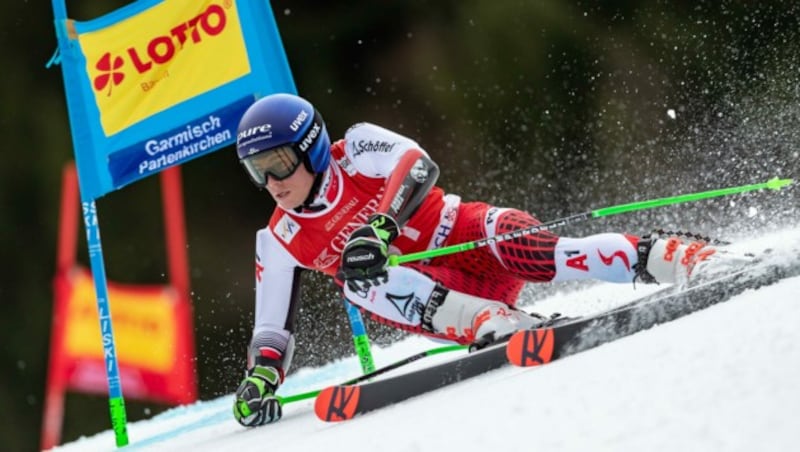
(375, 373)
(773, 184)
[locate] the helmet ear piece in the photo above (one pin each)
(314, 144)
(307, 163)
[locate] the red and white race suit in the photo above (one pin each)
(351, 190)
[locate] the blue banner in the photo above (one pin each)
(160, 82)
(174, 147)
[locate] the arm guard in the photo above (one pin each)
(409, 184)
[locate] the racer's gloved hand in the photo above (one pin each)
(256, 403)
(366, 252)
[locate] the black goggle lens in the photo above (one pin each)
(279, 163)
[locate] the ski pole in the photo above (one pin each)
(360, 338)
(375, 373)
(772, 184)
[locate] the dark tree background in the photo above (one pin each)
(555, 106)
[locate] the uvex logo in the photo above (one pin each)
(161, 49)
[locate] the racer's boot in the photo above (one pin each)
(475, 320)
(670, 260)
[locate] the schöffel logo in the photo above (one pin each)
(161, 49)
(363, 146)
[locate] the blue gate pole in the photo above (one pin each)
(116, 403)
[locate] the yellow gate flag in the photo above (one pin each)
(166, 55)
(154, 340)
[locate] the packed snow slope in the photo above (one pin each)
(722, 379)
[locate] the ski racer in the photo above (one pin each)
(344, 207)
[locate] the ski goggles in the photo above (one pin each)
(279, 163)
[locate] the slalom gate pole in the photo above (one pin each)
(772, 184)
(360, 338)
(376, 372)
(116, 402)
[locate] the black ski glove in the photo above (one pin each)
(366, 252)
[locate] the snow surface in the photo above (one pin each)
(722, 379)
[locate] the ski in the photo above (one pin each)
(343, 402)
(540, 346)
(543, 345)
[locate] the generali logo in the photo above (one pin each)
(160, 49)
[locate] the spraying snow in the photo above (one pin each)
(720, 379)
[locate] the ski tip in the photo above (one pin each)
(531, 347)
(337, 403)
